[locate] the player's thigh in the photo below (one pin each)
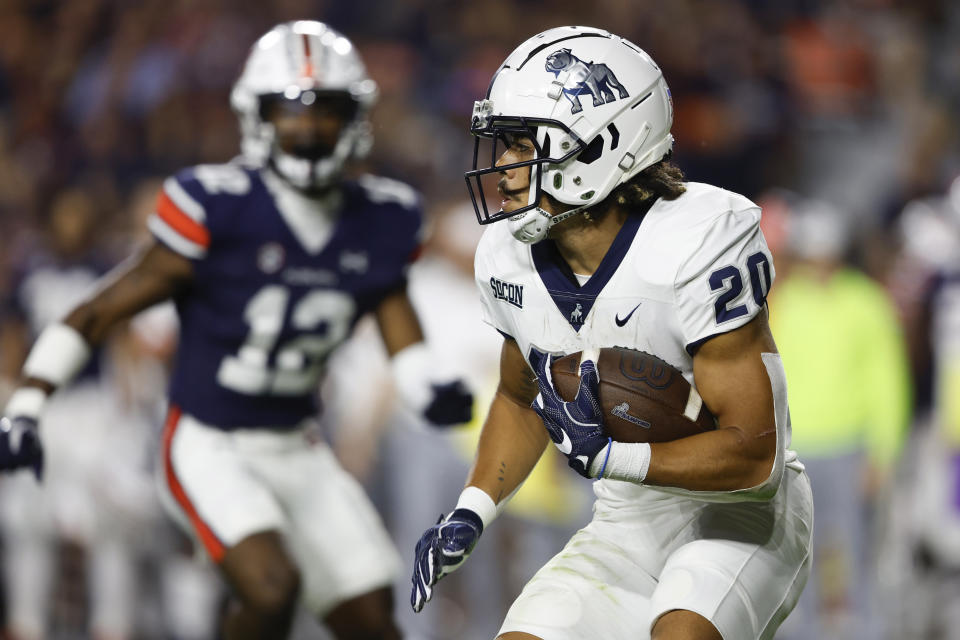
(745, 571)
(208, 487)
(333, 530)
(593, 588)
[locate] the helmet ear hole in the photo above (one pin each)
(614, 136)
(593, 151)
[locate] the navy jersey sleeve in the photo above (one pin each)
(183, 216)
(403, 227)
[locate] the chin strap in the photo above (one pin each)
(532, 225)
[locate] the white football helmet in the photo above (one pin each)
(597, 109)
(302, 60)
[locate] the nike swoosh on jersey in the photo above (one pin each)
(620, 322)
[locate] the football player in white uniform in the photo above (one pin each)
(271, 260)
(603, 244)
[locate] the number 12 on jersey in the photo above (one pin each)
(729, 280)
(261, 367)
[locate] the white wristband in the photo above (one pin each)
(477, 500)
(27, 402)
(628, 461)
(58, 355)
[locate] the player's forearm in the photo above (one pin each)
(727, 459)
(145, 279)
(398, 322)
(511, 443)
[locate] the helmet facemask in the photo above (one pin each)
(305, 159)
(495, 132)
(530, 222)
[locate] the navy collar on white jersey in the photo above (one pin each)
(573, 301)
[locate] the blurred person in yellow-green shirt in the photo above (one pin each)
(850, 397)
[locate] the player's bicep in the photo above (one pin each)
(517, 380)
(153, 275)
(734, 383)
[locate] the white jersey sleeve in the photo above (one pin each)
(724, 282)
(500, 299)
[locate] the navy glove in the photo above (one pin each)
(452, 403)
(20, 445)
(442, 549)
(575, 427)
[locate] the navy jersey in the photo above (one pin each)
(279, 282)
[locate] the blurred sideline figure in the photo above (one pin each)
(270, 260)
(846, 363)
(97, 493)
(599, 241)
(928, 578)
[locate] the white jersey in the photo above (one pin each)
(690, 269)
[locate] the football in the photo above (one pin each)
(644, 398)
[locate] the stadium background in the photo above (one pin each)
(849, 102)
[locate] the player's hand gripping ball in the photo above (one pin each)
(574, 425)
(643, 398)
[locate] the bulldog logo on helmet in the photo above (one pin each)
(594, 78)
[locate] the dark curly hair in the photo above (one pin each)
(660, 180)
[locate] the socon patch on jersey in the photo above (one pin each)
(508, 292)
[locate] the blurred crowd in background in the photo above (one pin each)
(837, 116)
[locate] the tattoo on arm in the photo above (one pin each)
(529, 387)
(501, 473)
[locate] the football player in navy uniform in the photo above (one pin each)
(270, 260)
(599, 242)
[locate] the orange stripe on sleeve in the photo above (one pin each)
(210, 541)
(181, 222)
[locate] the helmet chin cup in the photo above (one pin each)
(530, 226)
(304, 174)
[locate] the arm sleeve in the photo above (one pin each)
(724, 282)
(179, 219)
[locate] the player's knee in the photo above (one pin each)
(377, 627)
(680, 624)
(276, 593)
(366, 617)
(371, 630)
